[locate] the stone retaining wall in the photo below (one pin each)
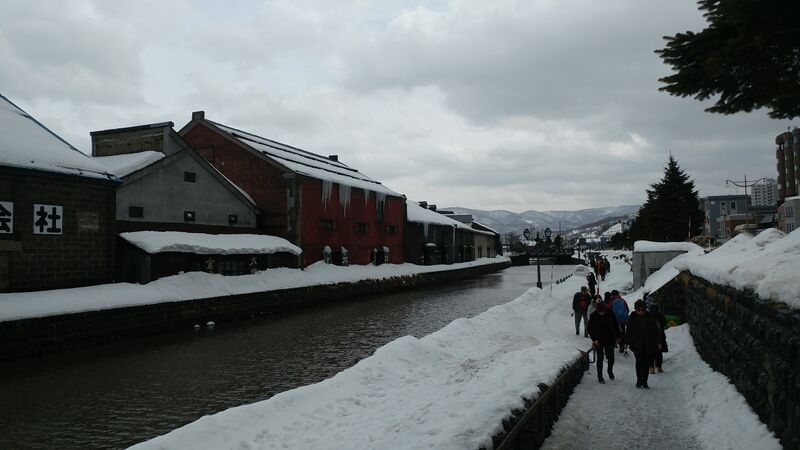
(30, 337)
(755, 343)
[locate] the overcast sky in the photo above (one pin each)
(500, 104)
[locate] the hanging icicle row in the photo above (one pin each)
(344, 197)
(327, 189)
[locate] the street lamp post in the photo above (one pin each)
(538, 262)
(745, 184)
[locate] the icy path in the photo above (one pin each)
(688, 406)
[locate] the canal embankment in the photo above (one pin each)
(36, 323)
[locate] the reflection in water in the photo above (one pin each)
(117, 395)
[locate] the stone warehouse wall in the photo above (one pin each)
(29, 337)
(755, 343)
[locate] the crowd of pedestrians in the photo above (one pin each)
(612, 325)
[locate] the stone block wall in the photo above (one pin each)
(755, 343)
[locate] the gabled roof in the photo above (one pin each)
(27, 144)
(417, 214)
(300, 161)
(128, 166)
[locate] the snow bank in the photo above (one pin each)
(195, 285)
(209, 244)
(650, 246)
(447, 390)
(721, 417)
(767, 263)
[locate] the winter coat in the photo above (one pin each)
(576, 301)
(604, 328)
(661, 323)
(591, 279)
(641, 333)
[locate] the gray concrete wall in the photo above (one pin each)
(164, 196)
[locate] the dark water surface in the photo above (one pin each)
(118, 395)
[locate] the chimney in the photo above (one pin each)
(198, 115)
(334, 157)
(432, 207)
(424, 204)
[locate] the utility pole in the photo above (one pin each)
(745, 184)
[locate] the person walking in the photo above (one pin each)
(605, 333)
(580, 307)
(592, 282)
(641, 335)
(601, 269)
(607, 264)
(620, 308)
(661, 322)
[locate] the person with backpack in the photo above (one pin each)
(620, 309)
(592, 281)
(580, 308)
(641, 334)
(605, 333)
(661, 321)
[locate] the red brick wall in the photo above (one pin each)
(83, 254)
(358, 244)
(261, 180)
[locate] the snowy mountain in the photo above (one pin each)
(507, 221)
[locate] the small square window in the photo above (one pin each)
(391, 229)
(361, 227)
(189, 216)
(136, 212)
(233, 219)
(189, 177)
(327, 224)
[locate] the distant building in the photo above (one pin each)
(764, 193)
(788, 157)
(789, 214)
(716, 206)
(56, 209)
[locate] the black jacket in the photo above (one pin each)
(604, 328)
(641, 333)
(576, 299)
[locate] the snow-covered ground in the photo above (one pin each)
(195, 285)
(450, 390)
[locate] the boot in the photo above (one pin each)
(610, 374)
(659, 370)
(652, 370)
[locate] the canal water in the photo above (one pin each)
(117, 395)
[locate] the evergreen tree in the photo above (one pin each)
(747, 57)
(672, 209)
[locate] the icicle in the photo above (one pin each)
(366, 197)
(327, 188)
(344, 197)
(425, 229)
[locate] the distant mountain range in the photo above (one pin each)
(507, 221)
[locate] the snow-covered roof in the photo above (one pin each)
(25, 143)
(418, 214)
(209, 244)
(796, 197)
(307, 163)
(616, 228)
(124, 165)
(650, 246)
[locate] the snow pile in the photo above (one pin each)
(447, 390)
(767, 263)
(26, 143)
(196, 285)
(650, 246)
(209, 244)
(124, 165)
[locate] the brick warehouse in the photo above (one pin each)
(318, 203)
(56, 209)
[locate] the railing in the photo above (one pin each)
(561, 280)
(528, 429)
